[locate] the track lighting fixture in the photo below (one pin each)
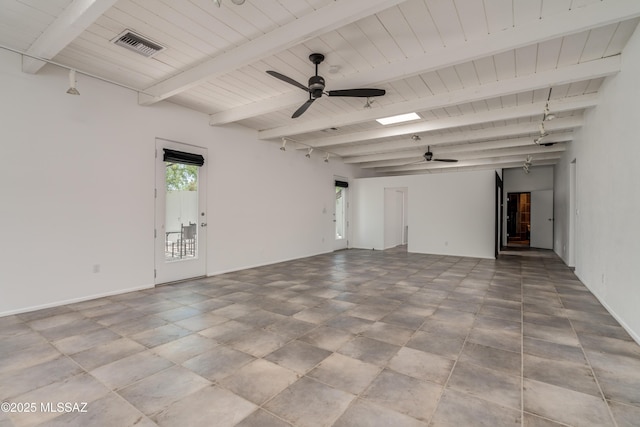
(415, 137)
(543, 134)
(72, 83)
(548, 115)
(284, 143)
(308, 155)
(367, 104)
(326, 159)
(527, 163)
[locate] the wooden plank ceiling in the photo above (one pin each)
(478, 73)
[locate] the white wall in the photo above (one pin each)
(79, 172)
(448, 213)
(515, 180)
(606, 151)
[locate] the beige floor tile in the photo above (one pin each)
(345, 373)
(407, 395)
(308, 403)
(218, 362)
(209, 406)
(564, 405)
(494, 386)
(459, 409)
(157, 392)
(259, 381)
(298, 356)
(368, 414)
(130, 369)
(421, 365)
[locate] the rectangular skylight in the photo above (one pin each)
(398, 119)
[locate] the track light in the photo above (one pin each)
(548, 115)
(415, 137)
(72, 83)
(527, 163)
(326, 159)
(308, 155)
(543, 134)
(368, 103)
(284, 143)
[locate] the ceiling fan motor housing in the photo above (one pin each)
(428, 156)
(316, 86)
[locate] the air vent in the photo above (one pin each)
(138, 44)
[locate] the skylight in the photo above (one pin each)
(398, 119)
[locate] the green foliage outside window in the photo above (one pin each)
(180, 177)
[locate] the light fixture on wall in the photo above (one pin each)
(72, 83)
(308, 155)
(326, 159)
(284, 143)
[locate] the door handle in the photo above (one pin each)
(203, 224)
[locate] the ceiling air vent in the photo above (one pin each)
(138, 44)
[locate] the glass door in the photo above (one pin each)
(180, 229)
(340, 216)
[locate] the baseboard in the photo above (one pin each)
(630, 331)
(74, 300)
(233, 270)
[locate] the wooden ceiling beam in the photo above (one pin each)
(76, 18)
(517, 112)
(519, 146)
(571, 22)
(460, 137)
(321, 21)
(466, 163)
(543, 80)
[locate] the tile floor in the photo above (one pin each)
(355, 338)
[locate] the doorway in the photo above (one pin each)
(518, 219)
(542, 219)
(341, 223)
(180, 215)
(499, 212)
(395, 217)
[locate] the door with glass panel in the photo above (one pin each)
(340, 215)
(180, 200)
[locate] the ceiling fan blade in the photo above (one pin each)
(303, 108)
(361, 93)
(286, 79)
(445, 160)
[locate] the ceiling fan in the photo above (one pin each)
(428, 157)
(316, 87)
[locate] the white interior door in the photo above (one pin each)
(180, 224)
(340, 218)
(393, 218)
(542, 219)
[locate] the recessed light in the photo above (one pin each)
(398, 119)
